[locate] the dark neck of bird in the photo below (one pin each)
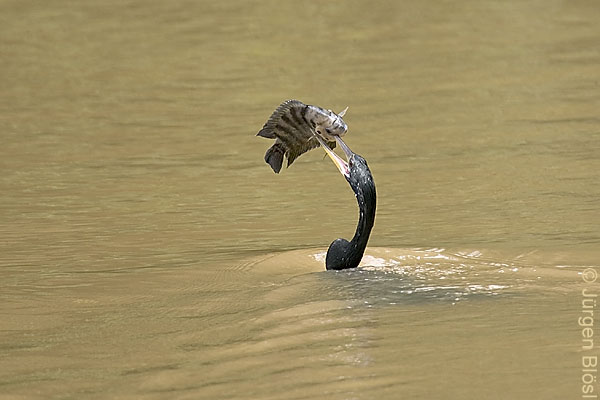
(343, 254)
(366, 204)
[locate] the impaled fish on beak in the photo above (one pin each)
(343, 166)
(297, 128)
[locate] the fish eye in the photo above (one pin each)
(327, 130)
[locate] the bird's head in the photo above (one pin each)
(355, 170)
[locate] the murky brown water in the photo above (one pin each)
(146, 250)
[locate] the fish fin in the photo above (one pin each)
(274, 157)
(271, 129)
(295, 152)
(287, 105)
(281, 110)
(343, 112)
(267, 132)
(290, 158)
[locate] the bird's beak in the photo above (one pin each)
(337, 160)
(349, 153)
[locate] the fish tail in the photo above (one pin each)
(267, 132)
(274, 156)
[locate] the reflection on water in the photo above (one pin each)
(148, 252)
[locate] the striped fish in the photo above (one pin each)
(293, 125)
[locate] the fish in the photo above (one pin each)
(294, 125)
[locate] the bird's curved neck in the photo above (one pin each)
(366, 205)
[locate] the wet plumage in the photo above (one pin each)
(344, 254)
(293, 125)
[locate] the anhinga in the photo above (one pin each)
(343, 254)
